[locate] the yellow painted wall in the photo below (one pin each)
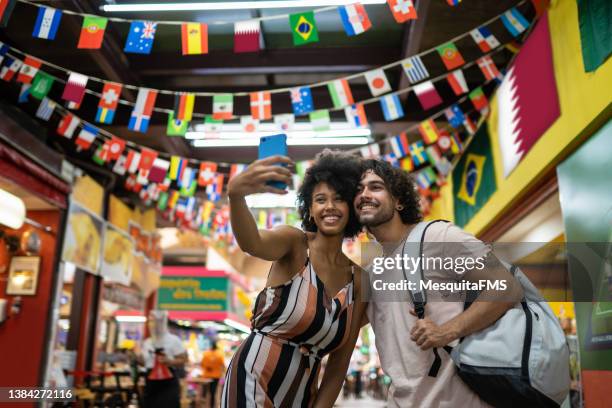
(584, 98)
(443, 207)
(89, 194)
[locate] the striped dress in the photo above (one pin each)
(293, 326)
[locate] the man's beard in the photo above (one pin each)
(384, 215)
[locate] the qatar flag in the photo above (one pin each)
(528, 98)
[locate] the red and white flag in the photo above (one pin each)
(261, 105)
(10, 68)
(207, 173)
(456, 80)
(28, 70)
(132, 162)
(427, 94)
(115, 147)
(158, 171)
(75, 88)
(488, 68)
(68, 125)
(246, 36)
(403, 10)
(249, 124)
(377, 81)
(147, 157)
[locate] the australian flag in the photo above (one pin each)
(141, 36)
(301, 100)
(455, 116)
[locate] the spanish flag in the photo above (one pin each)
(194, 38)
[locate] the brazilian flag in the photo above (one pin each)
(474, 177)
(176, 127)
(303, 28)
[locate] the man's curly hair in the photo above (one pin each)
(341, 172)
(401, 186)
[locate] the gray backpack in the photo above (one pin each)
(520, 360)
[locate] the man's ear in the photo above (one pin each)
(397, 205)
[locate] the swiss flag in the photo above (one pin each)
(403, 10)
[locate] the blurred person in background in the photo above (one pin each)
(213, 368)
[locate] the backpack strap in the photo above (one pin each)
(418, 296)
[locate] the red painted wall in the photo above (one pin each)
(22, 337)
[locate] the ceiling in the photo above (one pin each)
(279, 65)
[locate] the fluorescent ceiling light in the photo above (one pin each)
(131, 319)
(290, 135)
(230, 5)
(272, 127)
(295, 141)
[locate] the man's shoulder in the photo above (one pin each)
(445, 231)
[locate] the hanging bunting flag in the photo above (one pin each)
(116, 146)
(108, 102)
(247, 36)
(158, 171)
(249, 124)
(86, 136)
(427, 95)
(194, 38)
(417, 151)
(406, 164)
(183, 105)
(176, 127)
(444, 141)
(24, 93)
(456, 80)
(479, 99)
(140, 38)
(484, 39)
(303, 28)
(92, 32)
(45, 109)
(320, 120)
(207, 173)
(415, 69)
(75, 88)
(426, 178)
(371, 150)
(6, 9)
(132, 161)
(41, 85)
(453, 2)
(284, 122)
(488, 68)
(100, 156)
(223, 106)
(147, 157)
(400, 145)
(119, 167)
(28, 70)
(301, 100)
(68, 125)
(354, 19)
(341, 93)
(355, 115)
(47, 23)
(469, 125)
(450, 55)
(514, 21)
(143, 109)
(391, 107)
(10, 68)
(214, 190)
(429, 131)
(3, 50)
(177, 167)
(236, 169)
(212, 125)
(377, 82)
(391, 159)
(456, 145)
(403, 10)
(187, 179)
(433, 154)
(261, 105)
(455, 116)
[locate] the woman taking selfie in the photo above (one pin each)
(311, 305)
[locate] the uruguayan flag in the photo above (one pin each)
(414, 69)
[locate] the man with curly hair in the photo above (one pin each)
(387, 204)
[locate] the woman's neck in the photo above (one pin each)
(329, 247)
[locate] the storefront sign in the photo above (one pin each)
(83, 238)
(193, 293)
(118, 252)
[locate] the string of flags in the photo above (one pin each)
(194, 36)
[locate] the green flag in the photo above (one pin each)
(162, 201)
(595, 32)
(303, 28)
(320, 120)
(41, 85)
(474, 177)
(176, 127)
(189, 192)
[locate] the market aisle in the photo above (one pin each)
(365, 402)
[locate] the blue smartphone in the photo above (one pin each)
(275, 145)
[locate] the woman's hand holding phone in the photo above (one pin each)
(254, 178)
